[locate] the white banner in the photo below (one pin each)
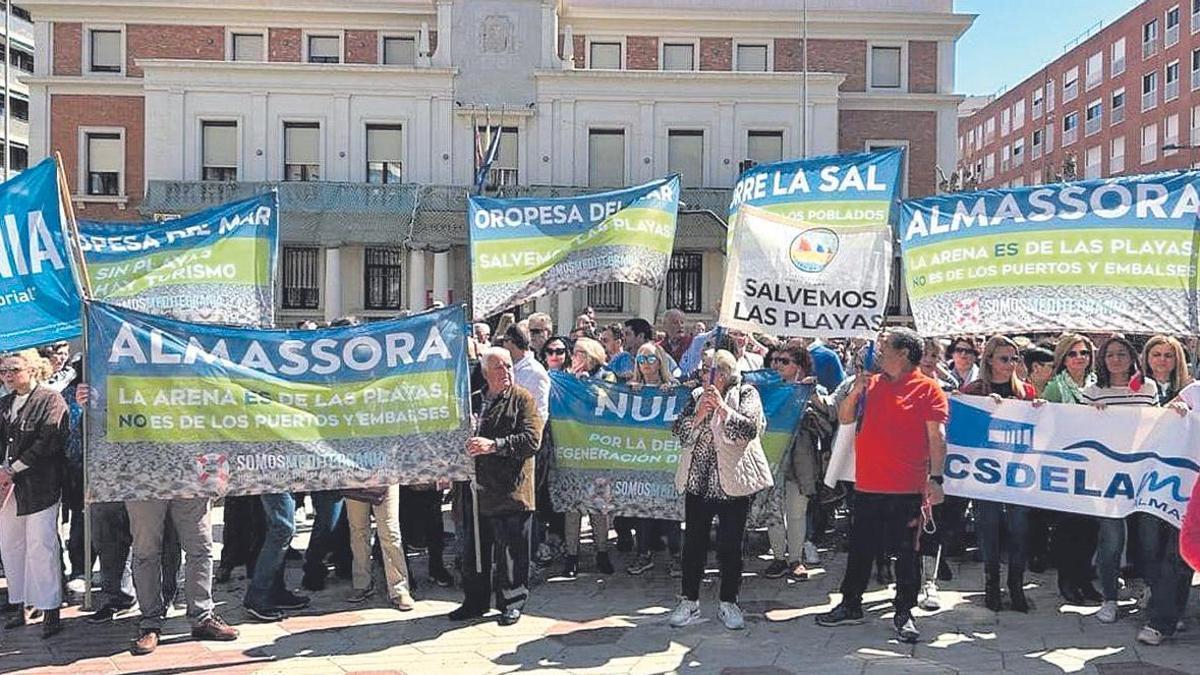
(787, 278)
(1073, 458)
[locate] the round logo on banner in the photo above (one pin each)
(813, 250)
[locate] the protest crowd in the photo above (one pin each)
(679, 442)
(152, 554)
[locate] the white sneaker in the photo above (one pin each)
(931, 602)
(1150, 636)
(686, 613)
(1108, 612)
(811, 556)
(731, 615)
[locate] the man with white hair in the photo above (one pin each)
(506, 437)
(541, 328)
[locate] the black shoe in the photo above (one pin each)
(604, 563)
(264, 614)
(509, 616)
(776, 569)
(906, 628)
(441, 577)
(52, 624)
(313, 582)
(290, 600)
(108, 613)
(465, 613)
(571, 566)
(841, 616)
(1090, 595)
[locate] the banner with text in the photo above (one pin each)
(39, 300)
(615, 453)
(525, 248)
(834, 190)
(186, 410)
(214, 266)
(1103, 255)
(786, 278)
(1073, 458)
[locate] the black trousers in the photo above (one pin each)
(504, 549)
(731, 527)
(1075, 540)
(883, 524)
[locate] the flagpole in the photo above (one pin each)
(67, 208)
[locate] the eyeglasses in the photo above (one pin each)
(966, 350)
(556, 352)
(646, 358)
(1004, 359)
(781, 361)
(1077, 354)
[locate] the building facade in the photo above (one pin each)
(364, 115)
(1115, 104)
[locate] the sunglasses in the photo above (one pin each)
(556, 352)
(646, 358)
(781, 361)
(1076, 354)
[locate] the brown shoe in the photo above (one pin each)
(214, 628)
(146, 643)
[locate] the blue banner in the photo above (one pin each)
(39, 300)
(1112, 255)
(841, 190)
(525, 248)
(614, 451)
(213, 266)
(185, 410)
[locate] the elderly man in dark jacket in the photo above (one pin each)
(507, 435)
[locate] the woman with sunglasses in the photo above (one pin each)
(556, 354)
(789, 539)
(33, 439)
(1118, 382)
(998, 379)
(588, 359)
(964, 360)
(651, 370)
(1073, 542)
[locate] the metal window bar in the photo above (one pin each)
(301, 277)
(608, 297)
(383, 278)
(684, 282)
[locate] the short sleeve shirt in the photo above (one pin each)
(892, 446)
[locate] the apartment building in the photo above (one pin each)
(364, 115)
(1115, 104)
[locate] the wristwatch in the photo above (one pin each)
(940, 480)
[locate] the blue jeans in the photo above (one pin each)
(1169, 576)
(267, 583)
(328, 505)
(991, 517)
(1110, 545)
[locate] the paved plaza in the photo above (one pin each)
(597, 624)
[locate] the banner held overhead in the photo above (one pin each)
(526, 248)
(1107, 255)
(39, 299)
(214, 266)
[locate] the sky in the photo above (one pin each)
(1011, 39)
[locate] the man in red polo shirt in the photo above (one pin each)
(900, 450)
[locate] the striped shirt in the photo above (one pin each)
(1147, 394)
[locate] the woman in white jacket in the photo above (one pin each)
(721, 466)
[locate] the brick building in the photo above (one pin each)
(363, 113)
(1113, 105)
